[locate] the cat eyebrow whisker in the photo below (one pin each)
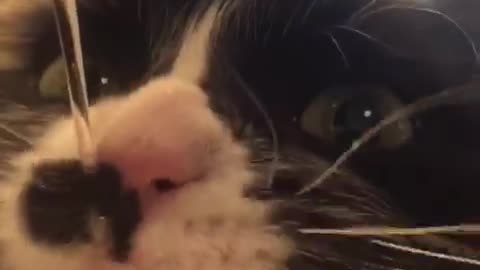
(342, 54)
(448, 96)
(361, 11)
(370, 9)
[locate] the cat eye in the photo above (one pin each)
(341, 115)
(163, 185)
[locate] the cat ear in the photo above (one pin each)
(441, 50)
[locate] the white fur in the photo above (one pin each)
(191, 63)
(165, 129)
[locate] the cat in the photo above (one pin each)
(209, 117)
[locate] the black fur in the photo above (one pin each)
(62, 200)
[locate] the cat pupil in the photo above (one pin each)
(355, 116)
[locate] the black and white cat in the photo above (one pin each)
(196, 105)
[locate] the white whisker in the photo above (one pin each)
(369, 265)
(309, 10)
(268, 122)
(426, 253)
(443, 15)
(361, 11)
(139, 9)
(366, 11)
(16, 135)
(388, 231)
(340, 50)
(70, 41)
(291, 21)
(310, 255)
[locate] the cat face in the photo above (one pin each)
(164, 160)
(195, 105)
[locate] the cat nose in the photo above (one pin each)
(62, 199)
(163, 130)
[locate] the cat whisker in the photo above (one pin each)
(309, 11)
(426, 253)
(422, 9)
(367, 36)
(268, 122)
(447, 96)
(367, 11)
(16, 135)
(291, 21)
(361, 11)
(369, 265)
(311, 255)
(340, 50)
(69, 36)
(393, 231)
(139, 10)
